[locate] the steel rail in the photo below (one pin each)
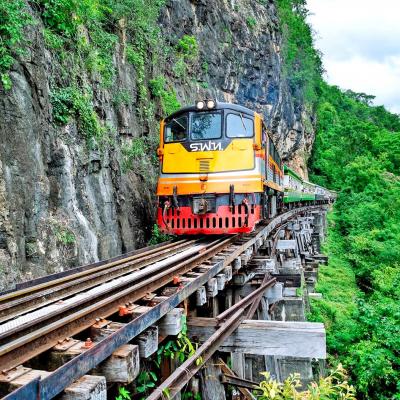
(28, 290)
(78, 283)
(246, 301)
(20, 326)
(26, 347)
(49, 387)
(178, 379)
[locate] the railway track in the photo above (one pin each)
(35, 318)
(69, 313)
(56, 288)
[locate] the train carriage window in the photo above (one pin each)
(238, 126)
(271, 148)
(206, 126)
(176, 129)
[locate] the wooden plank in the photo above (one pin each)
(226, 370)
(147, 342)
(121, 367)
(211, 386)
(86, 388)
(286, 245)
(201, 296)
(277, 338)
(89, 387)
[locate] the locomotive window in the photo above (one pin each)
(238, 126)
(206, 126)
(176, 129)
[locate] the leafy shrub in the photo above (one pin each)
(14, 18)
(357, 151)
(188, 46)
(72, 102)
(157, 236)
(333, 387)
(135, 151)
(180, 349)
(169, 102)
(251, 22)
(122, 96)
(65, 237)
(123, 394)
(146, 381)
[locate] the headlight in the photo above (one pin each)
(210, 103)
(200, 105)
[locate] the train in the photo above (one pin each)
(221, 172)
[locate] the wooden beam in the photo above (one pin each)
(226, 370)
(277, 338)
(121, 367)
(88, 387)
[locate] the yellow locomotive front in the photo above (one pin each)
(213, 167)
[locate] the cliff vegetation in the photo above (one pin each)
(357, 152)
(83, 86)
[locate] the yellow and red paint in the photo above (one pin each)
(197, 173)
(224, 221)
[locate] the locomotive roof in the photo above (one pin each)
(219, 106)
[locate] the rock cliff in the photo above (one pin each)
(65, 201)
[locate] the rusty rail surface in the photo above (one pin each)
(32, 297)
(35, 338)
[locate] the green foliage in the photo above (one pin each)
(180, 68)
(190, 396)
(64, 235)
(146, 381)
(72, 101)
(333, 387)
(169, 102)
(357, 151)
(180, 349)
(188, 46)
(157, 236)
(123, 394)
(187, 51)
(135, 156)
(14, 18)
(123, 96)
(251, 22)
(52, 40)
(302, 62)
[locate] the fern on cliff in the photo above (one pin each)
(14, 18)
(302, 61)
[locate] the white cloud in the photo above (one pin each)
(360, 40)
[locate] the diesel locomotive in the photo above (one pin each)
(220, 171)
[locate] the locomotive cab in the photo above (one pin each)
(207, 140)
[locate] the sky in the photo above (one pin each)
(360, 42)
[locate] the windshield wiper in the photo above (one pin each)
(244, 126)
(173, 119)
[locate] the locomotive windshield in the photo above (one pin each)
(238, 126)
(176, 129)
(206, 126)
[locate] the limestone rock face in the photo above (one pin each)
(63, 204)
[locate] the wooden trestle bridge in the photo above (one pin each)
(74, 333)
